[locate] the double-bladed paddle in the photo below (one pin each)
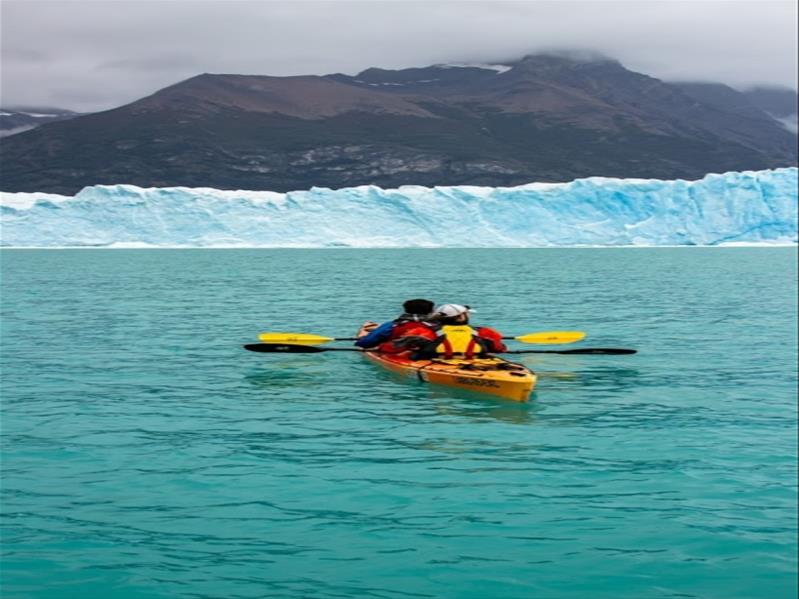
(545, 338)
(608, 351)
(298, 348)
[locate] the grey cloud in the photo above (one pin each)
(151, 63)
(23, 54)
(93, 55)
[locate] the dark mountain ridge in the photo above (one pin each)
(542, 118)
(778, 101)
(16, 119)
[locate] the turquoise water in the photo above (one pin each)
(145, 454)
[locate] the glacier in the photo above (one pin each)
(750, 207)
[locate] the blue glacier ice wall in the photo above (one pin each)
(735, 207)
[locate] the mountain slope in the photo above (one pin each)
(778, 102)
(542, 118)
(20, 118)
(752, 106)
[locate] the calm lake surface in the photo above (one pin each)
(145, 454)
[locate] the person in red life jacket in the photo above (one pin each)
(455, 337)
(382, 336)
(408, 336)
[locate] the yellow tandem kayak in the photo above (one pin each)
(490, 375)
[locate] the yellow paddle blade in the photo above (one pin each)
(296, 338)
(552, 337)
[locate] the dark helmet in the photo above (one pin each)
(418, 306)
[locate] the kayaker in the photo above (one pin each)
(415, 312)
(453, 335)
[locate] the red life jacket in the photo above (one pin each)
(406, 329)
(492, 340)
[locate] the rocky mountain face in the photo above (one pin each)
(18, 119)
(778, 101)
(543, 118)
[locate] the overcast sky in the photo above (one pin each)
(91, 55)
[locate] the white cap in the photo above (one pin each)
(451, 310)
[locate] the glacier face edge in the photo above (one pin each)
(750, 207)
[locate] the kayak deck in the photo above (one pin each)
(489, 375)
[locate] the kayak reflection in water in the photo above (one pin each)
(410, 322)
(448, 334)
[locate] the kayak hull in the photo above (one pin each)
(490, 375)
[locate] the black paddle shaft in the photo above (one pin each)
(293, 348)
(608, 351)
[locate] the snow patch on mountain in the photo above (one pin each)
(15, 130)
(499, 68)
(790, 122)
